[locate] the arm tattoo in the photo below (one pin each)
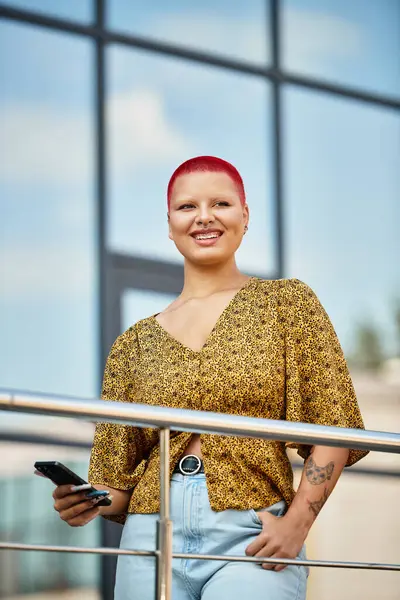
(317, 475)
(316, 506)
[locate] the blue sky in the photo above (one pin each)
(355, 43)
(341, 165)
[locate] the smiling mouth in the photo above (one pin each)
(207, 236)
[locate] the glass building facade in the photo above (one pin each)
(100, 100)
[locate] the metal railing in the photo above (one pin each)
(165, 419)
(44, 439)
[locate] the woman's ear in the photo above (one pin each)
(246, 214)
(171, 237)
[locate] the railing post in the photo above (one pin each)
(164, 524)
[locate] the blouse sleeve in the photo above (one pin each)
(318, 384)
(118, 449)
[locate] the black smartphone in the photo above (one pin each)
(61, 475)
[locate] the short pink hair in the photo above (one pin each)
(208, 164)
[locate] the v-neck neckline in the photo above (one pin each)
(216, 324)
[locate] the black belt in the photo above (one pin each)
(189, 465)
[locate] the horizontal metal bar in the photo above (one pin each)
(151, 45)
(48, 440)
(289, 561)
(74, 549)
(143, 415)
(180, 555)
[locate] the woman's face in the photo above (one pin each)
(206, 218)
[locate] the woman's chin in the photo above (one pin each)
(217, 253)
(210, 257)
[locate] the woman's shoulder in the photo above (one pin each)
(286, 286)
(135, 328)
(293, 294)
(126, 339)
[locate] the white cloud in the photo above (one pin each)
(139, 131)
(310, 37)
(238, 37)
(76, 213)
(44, 145)
(45, 272)
(314, 39)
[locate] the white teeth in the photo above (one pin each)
(204, 236)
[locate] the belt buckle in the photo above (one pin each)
(196, 470)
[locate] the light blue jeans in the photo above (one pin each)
(198, 529)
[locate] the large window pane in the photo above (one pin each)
(236, 29)
(355, 43)
(342, 215)
(48, 313)
(47, 231)
(163, 111)
(74, 10)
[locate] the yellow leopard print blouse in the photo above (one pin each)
(273, 353)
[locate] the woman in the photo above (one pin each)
(229, 343)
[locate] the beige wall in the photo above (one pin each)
(360, 521)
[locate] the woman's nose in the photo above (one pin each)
(204, 216)
(204, 219)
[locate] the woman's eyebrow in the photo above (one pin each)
(221, 197)
(183, 199)
(192, 199)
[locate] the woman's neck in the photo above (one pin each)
(201, 282)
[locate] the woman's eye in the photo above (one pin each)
(220, 203)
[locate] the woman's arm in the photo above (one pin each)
(283, 537)
(120, 501)
(118, 449)
(318, 389)
(321, 471)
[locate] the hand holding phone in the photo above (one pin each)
(61, 475)
(77, 504)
